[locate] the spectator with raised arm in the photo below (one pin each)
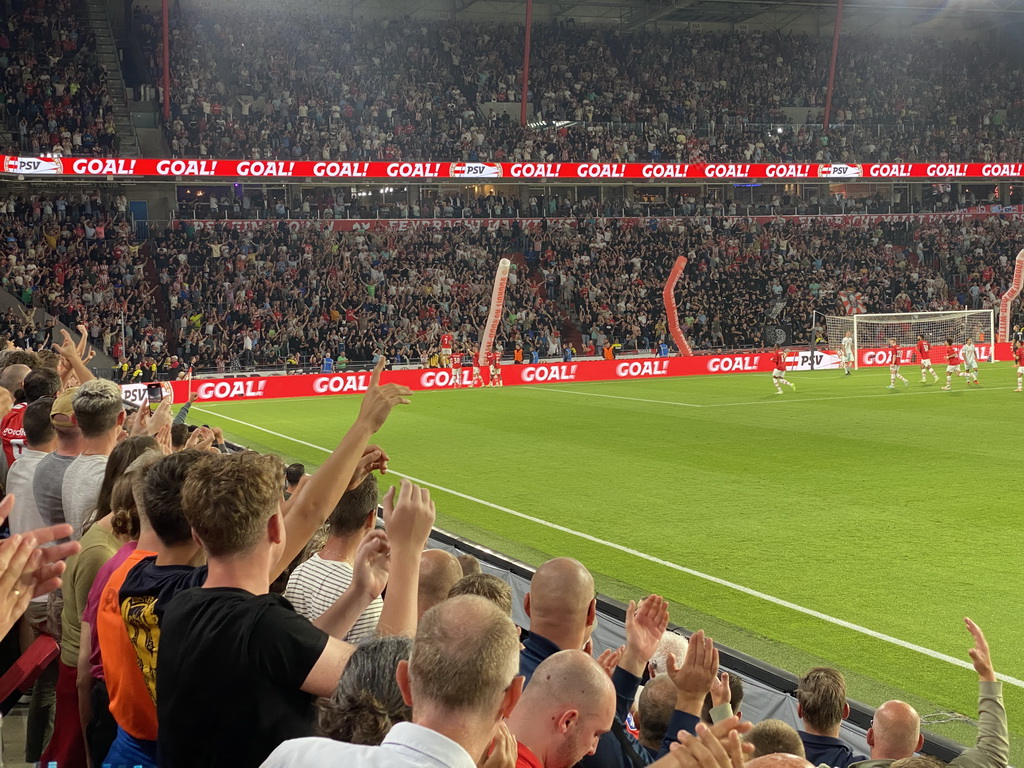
(895, 732)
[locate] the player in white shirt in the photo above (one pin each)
(970, 355)
(847, 353)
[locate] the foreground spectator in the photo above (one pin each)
(821, 704)
(460, 681)
(895, 733)
(439, 572)
(315, 585)
(771, 736)
(567, 707)
(368, 701)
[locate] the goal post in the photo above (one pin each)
(874, 331)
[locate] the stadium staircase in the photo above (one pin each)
(570, 333)
(95, 13)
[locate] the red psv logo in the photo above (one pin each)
(475, 170)
(35, 166)
(839, 171)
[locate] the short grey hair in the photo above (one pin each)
(97, 405)
(670, 643)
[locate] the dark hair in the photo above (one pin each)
(367, 702)
(179, 435)
(124, 453)
(354, 507)
(42, 382)
(161, 500)
(11, 357)
(293, 473)
(36, 422)
(125, 520)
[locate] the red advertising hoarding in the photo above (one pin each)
(420, 379)
(664, 172)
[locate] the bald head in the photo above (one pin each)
(439, 571)
(568, 704)
(13, 377)
(655, 707)
(895, 731)
(561, 602)
(779, 760)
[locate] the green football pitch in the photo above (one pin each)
(841, 524)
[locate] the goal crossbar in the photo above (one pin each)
(870, 331)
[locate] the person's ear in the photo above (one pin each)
(275, 528)
(512, 695)
(846, 711)
(195, 538)
(800, 711)
(592, 612)
(567, 720)
(870, 737)
(920, 742)
(402, 678)
(120, 418)
(526, 604)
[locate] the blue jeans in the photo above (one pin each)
(129, 752)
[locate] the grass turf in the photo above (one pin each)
(892, 510)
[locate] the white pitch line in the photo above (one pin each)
(613, 397)
(658, 561)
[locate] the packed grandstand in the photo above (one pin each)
(336, 203)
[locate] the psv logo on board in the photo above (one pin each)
(839, 171)
(474, 170)
(35, 166)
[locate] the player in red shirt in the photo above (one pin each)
(924, 356)
(456, 358)
(446, 344)
(778, 359)
(952, 363)
(495, 360)
(894, 365)
(1018, 355)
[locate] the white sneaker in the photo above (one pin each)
(906, 383)
(946, 387)
(779, 392)
(891, 386)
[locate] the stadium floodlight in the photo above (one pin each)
(874, 331)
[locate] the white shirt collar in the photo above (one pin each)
(427, 745)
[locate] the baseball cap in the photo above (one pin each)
(61, 411)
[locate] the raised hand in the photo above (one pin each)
(374, 458)
(644, 627)
(504, 750)
(161, 416)
(980, 654)
(380, 399)
(718, 746)
(408, 515)
(695, 676)
(721, 693)
(609, 659)
(201, 439)
(371, 565)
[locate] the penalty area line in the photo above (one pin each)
(611, 397)
(658, 561)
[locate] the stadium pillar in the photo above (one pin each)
(832, 65)
(167, 59)
(526, 63)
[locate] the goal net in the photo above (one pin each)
(874, 331)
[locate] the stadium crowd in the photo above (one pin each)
(379, 651)
(53, 91)
(258, 86)
(280, 293)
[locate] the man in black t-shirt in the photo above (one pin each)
(231, 640)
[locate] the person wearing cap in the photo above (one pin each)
(49, 476)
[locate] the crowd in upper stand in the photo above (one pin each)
(262, 86)
(53, 92)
